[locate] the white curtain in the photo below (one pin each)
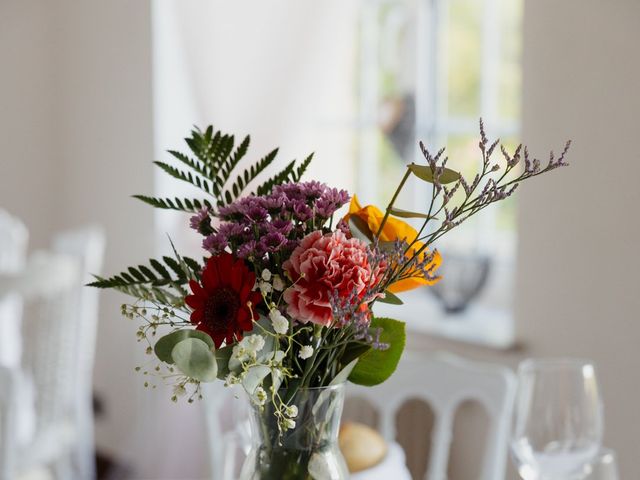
(283, 72)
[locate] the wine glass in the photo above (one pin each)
(558, 425)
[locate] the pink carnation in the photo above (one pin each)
(330, 263)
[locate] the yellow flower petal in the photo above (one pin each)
(394, 229)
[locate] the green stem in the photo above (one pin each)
(391, 203)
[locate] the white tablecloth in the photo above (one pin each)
(392, 467)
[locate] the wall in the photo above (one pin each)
(75, 142)
(579, 232)
(26, 113)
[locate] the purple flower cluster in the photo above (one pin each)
(201, 221)
(275, 223)
(353, 311)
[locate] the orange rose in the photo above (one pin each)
(394, 229)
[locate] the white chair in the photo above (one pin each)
(8, 427)
(444, 383)
(48, 287)
(13, 250)
(86, 245)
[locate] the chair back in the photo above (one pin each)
(444, 382)
(8, 445)
(13, 249)
(86, 245)
(46, 287)
(50, 333)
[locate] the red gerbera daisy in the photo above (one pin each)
(223, 306)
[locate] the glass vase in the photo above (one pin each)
(309, 450)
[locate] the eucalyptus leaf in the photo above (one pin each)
(375, 366)
(164, 346)
(425, 173)
(254, 376)
(360, 229)
(276, 378)
(223, 355)
(194, 358)
(390, 298)
(398, 212)
(234, 364)
(278, 356)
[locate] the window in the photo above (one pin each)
(428, 70)
(359, 84)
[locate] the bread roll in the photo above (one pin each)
(362, 447)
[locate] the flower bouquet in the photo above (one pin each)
(282, 301)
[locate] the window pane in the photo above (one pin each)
(510, 69)
(497, 224)
(463, 55)
(388, 83)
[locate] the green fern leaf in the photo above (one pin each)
(184, 205)
(188, 177)
(164, 286)
(282, 177)
(229, 162)
(297, 175)
(250, 174)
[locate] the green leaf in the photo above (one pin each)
(250, 174)
(425, 173)
(222, 359)
(254, 376)
(390, 298)
(297, 175)
(184, 205)
(281, 177)
(398, 212)
(164, 286)
(375, 366)
(360, 229)
(164, 346)
(194, 358)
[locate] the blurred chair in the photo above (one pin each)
(445, 382)
(8, 403)
(86, 245)
(48, 287)
(13, 249)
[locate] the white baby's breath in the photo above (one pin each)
(278, 283)
(305, 352)
(231, 379)
(179, 390)
(265, 288)
(253, 343)
(279, 322)
(266, 275)
(292, 411)
(238, 352)
(260, 396)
